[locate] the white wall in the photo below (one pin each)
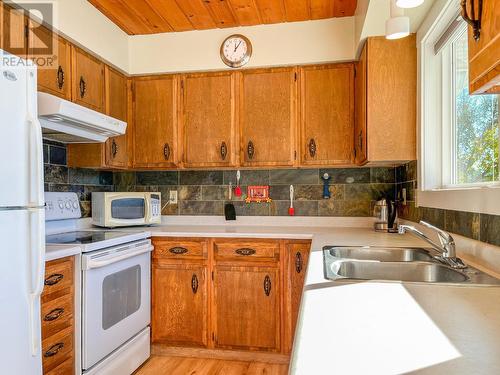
(280, 44)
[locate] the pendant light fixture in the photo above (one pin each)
(409, 3)
(398, 26)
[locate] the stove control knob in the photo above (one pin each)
(61, 204)
(68, 205)
(75, 205)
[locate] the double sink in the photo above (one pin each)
(396, 264)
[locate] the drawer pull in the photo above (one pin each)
(178, 250)
(194, 283)
(312, 147)
(250, 150)
(83, 87)
(245, 251)
(114, 149)
(53, 279)
(267, 285)
(54, 314)
(166, 151)
(223, 150)
(298, 262)
(53, 350)
(60, 77)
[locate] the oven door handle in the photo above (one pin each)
(94, 263)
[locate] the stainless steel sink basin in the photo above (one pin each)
(398, 271)
(383, 254)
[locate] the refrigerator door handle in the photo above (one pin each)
(37, 235)
(36, 163)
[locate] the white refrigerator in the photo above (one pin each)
(22, 219)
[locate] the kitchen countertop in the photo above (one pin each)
(53, 252)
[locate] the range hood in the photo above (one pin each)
(67, 122)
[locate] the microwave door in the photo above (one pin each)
(128, 210)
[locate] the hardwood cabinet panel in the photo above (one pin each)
(54, 76)
(484, 54)
(57, 314)
(246, 308)
(208, 119)
(391, 84)
(57, 349)
(116, 148)
(327, 114)
(87, 80)
(267, 117)
(297, 258)
(240, 250)
(13, 36)
(155, 121)
(360, 141)
(180, 248)
(180, 305)
(59, 277)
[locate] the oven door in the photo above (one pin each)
(123, 209)
(116, 298)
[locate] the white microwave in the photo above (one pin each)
(112, 210)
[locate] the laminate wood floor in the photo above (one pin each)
(157, 365)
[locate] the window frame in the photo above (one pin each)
(435, 140)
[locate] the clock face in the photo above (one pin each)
(236, 51)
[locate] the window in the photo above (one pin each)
(475, 125)
(459, 136)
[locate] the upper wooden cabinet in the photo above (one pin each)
(53, 75)
(268, 117)
(484, 54)
(386, 83)
(87, 80)
(13, 26)
(208, 119)
(327, 114)
(155, 121)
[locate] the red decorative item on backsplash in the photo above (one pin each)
(258, 194)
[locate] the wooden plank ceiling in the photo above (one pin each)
(161, 16)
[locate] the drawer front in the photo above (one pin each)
(182, 249)
(57, 349)
(65, 368)
(57, 315)
(267, 251)
(58, 276)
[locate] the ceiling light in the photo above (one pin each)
(409, 3)
(398, 26)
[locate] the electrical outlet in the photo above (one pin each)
(173, 197)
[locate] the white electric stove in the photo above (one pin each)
(116, 284)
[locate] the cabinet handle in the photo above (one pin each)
(267, 285)
(250, 150)
(298, 262)
(472, 20)
(60, 77)
(223, 150)
(312, 147)
(178, 250)
(194, 283)
(245, 251)
(83, 87)
(53, 350)
(54, 314)
(114, 149)
(166, 151)
(53, 279)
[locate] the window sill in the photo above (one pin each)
(483, 199)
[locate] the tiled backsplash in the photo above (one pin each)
(353, 190)
(480, 227)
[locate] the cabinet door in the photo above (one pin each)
(116, 106)
(484, 54)
(179, 304)
(327, 114)
(155, 125)
(88, 80)
(54, 74)
(208, 119)
(246, 308)
(360, 141)
(13, 31)
(297, 258)
(268, 117)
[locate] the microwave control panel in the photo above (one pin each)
(155, 205)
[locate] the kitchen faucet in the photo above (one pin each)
(446, 249)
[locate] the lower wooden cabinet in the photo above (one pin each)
(58, 327)
(227, 294)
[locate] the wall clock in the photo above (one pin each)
(236, 50)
